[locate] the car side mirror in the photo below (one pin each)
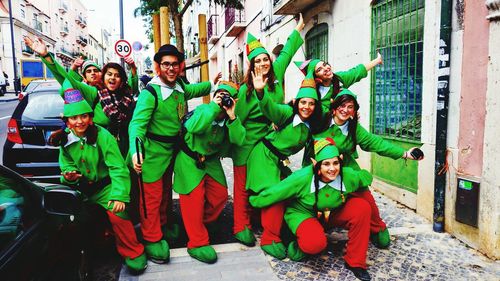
(64, 202)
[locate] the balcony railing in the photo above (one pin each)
(213, 29)
(37, 25)
(63, 7)
(234, 21)
(64, 30)
(83, 41)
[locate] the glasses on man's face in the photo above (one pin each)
(323, 67)
(167, 65)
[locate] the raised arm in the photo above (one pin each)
(374, 143)
(203, 116)
(292, 45)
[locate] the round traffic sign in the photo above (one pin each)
(137, 46)
(123, 48)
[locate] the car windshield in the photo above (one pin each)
(43, 105)
(32, 85)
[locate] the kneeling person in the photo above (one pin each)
(198, 174)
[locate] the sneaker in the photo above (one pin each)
(359, 272)
(276, 250)
(382, 239)
(294, 252)
(137, 265)
(205, 254)
(157, 252)
(245, 237)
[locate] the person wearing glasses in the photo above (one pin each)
(329, 84)
(157, 121)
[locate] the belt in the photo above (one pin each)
(199, 158)
(160, 138)
(90, 188)
(282, 157)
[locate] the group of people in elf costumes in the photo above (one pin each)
(249, 123)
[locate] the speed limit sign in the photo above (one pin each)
(123, 48)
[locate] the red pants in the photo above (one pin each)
(355, 216)
(203, 205)
(241, 207)
(376, 222)
(271, 219)
(150, 226)
(126, 240)
(311, 236)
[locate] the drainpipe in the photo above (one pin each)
(443, 93)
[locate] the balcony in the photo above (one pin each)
(234, 21)
(63, 7)
(83, 22)
(78, 19)
(307, 7)
(213, 29)
(83, 41)
(64, 31)
(26, 50)
(37, 25)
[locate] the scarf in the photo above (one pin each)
(116, 107)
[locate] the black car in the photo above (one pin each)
(26, 150)
(37, 233)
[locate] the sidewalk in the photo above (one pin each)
(415, 253)
(9, 96)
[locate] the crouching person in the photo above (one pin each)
(198, 175)
(314, 191)
(92, 163)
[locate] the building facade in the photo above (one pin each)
(401, 100)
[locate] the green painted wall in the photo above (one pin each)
(400, 173)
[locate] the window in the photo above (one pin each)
(23, 13)
(317, 42)
(397, 33)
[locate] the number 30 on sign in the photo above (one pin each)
(123, 48)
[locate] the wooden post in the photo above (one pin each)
(202, 23)
(156, 31)
(164, 26)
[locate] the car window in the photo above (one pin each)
(42, 106)
(11, 211)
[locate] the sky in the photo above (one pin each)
(105, 14)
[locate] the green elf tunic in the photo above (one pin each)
(209, 138)
(299, 187)
(163, 120)
(89, 93)
(366, 140)
(96, 162)
(263, 170)
(247, 107)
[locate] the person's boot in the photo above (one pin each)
(245, 237)
(205, 254)
(157, 252)
(381, 239)
(294, 252)
(359, 272)
(137, 265)
(276, 250)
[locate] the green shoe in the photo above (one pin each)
(294, 252)
(171, 232)
(205, 254)
(157, 252)
(138, 264)
(245, 237)
(276, 250)
(382, 239)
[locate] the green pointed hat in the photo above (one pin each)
(346, 92)
(308, 88)
(325, 148)
(230, 87)
(307, 66)
(254, 47)
(89, 63)
(74, 104)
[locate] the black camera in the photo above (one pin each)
(226, 100)
(417, 153)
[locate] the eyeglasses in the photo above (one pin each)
(321, 68)
(167, 65)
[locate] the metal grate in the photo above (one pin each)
(317, 42)
(396, 87)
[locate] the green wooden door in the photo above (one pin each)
(317, 42)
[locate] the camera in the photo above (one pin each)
(226, 100)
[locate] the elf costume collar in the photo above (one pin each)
(166, 90)
(296, 121)
(335, 184)
(72, 138)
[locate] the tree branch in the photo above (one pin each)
(186, 6)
